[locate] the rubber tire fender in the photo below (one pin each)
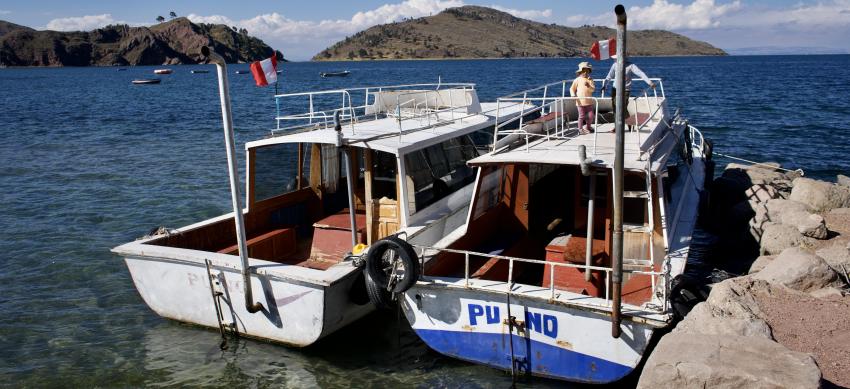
(378, 295)
(405, 252)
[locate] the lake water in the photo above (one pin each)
(88, 161)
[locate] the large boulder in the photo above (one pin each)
(795, 214)
(777, 237)
(760, 263)
(686, 360)
(754, 174)
(730, 309)
(838, 220)
(819, 195)
(761, 193)
(843, 180)
(837, 255)
(798, 269)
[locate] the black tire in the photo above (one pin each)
(378, 295)
(381, 253)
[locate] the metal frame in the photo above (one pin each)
(540, 95)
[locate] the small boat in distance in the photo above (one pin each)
(199, 71)
(163, 71)
(343, 73)
(144, 81)
(242, 72)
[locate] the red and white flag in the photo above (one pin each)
(604, 49)
(265, 71)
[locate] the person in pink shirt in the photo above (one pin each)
(583, 86)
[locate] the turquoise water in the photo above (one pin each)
(89, 161)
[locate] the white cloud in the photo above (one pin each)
(533, 14)
(5, 12)
(80, 23)
(301, 39)
(662, 14)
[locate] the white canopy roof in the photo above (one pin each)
(390, 135)
(658, 142)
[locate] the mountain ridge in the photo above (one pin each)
(177, 41)
(481, 32)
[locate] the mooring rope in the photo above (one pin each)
(800, 171)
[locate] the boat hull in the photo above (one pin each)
(557, 341)
(295, 313)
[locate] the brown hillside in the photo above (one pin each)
(480, 32)
(173, 42)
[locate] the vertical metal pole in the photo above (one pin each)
(588, 255)
(349, 178)
(227, 119)
(349, 175)
(617, 236)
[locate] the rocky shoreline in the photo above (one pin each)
(785, 321)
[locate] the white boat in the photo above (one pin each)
(528, 285)
(163, 71)
(305, 209)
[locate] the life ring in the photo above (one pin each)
(394, 257)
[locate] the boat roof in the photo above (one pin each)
(656, 143)
(395, 136)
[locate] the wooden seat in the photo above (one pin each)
(271, 246)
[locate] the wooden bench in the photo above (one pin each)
(271, 246)
(571, 249)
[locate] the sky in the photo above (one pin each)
(301, 29)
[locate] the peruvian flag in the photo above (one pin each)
(265, 71)
(603, 49)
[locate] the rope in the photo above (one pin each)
(800, 171)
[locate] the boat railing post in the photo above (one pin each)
(588, 255)
(619, 127)
(466, 268)
(595, 125)
(311, 108)
(552, 281)
(230, 145)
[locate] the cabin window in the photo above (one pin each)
(439, 170)
(384, 173)
(275, 169)
(487, 193)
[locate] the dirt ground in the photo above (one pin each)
(820, 327)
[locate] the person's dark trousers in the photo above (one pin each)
(614, 102)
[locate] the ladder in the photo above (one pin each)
(217, 296)
(647, 229)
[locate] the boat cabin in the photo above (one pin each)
(407, 149)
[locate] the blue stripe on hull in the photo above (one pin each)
(540, 358)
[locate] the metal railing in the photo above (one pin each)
(322, 105)
(663, 275)
(546, 103)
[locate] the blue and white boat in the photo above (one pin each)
(526, 284)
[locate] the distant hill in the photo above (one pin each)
(177, 41)
(786, 50)
(480, 32)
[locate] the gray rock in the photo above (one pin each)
(819, 195)
(754, 174)
(703, 320)
(827, 293)
(761, 193)
(837, 255)
(704, 361)
(777, 237)
(796, 214)
(843, 180)
(760, 263)
(798, 269)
